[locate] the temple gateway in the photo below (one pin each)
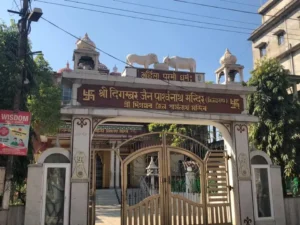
(104, 148)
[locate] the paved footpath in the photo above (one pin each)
(108, 210)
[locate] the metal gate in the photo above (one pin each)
(174, 183)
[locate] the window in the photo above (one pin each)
(280, 38)
(262, 192)
(263, 51)
(66, 94)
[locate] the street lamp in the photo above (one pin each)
(35, 15)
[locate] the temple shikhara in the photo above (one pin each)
(105, 149)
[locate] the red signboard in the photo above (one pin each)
(14, 132)
(154, 99)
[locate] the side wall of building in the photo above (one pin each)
(291, 27)
(275, 8)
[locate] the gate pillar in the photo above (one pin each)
(240, 140)
(81, 138)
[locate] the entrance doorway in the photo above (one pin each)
(100, 172)
(186, 183)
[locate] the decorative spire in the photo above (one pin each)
(115, 69)
(68, 65)
(152, 169)
(152, 164)
(86, 43)
(228, 58)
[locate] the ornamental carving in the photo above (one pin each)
(227, 125)
(243, 165)
(247, 221)
(81, 122)
(79, 170)
(96, 121)
(241, 128)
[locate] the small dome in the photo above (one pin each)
(66, 69)
(101, 66)
(86, 43)
(228, 58)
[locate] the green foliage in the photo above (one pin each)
(197, 132)
(41, 96)
(277, 131)
(9, 65)
(295, 186)
(44, 102)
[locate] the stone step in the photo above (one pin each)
(106, 197)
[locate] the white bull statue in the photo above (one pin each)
(181, 63)
(145, 60)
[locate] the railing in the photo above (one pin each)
(135, 195)
(144, 187)
(118, 192)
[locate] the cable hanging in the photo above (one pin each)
(157, 15)
(182, 12)
(189, 13)
(154, 20)
(120, 60)
(146, 19)
(225, 8)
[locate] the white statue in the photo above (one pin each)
(145, 60)
(181, 63)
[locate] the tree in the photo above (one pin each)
(41, 96)
(277, 131)
(197, 132)
(44, 102)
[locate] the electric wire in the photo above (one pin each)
(157, 15)
(240, 3)
(147, 19)
(110, 55)
(182, 12)
(159, 21)
(225, 8)
(16, 4)
(192, 14)
(217, 7)
(77, 38)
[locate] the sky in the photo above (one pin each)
(120, 36)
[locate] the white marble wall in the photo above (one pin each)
(243, 172)
(81, 137)
(34, 195)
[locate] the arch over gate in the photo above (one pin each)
(168, 182)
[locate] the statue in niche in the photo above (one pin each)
(86, 63)
(55, 197)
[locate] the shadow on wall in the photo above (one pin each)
(16, 215)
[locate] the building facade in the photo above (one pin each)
(192, 181)
(279, 34)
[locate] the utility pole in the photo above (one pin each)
(22, 52)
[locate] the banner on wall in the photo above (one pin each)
(14, 132)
